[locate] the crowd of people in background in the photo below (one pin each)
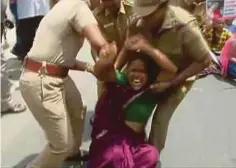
(147, 55)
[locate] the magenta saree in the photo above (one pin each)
(114, 145)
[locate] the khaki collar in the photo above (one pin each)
(122, 9)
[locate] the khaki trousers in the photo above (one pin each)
(164, 111)
(57, 106)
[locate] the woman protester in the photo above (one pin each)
(122, 112)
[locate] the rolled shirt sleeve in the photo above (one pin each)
(82, 16)
(194, 45)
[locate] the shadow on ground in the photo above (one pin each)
(25, 161)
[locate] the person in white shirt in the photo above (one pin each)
(7, 104)
(30, 13)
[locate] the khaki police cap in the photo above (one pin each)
(146, 7)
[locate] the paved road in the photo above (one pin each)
(201, 132)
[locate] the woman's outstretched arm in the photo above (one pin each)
(104, 69)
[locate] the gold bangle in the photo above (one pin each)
(89, 68)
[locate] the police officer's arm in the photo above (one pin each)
(84, 22)
(139, 42)
(194, 46)
(94, 36)
(83, 66)
(161, 59)
(94, 53)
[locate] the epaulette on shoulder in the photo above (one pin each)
(182, 15)
(182, 18)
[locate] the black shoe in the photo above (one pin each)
(75, 158)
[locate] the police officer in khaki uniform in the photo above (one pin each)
(49, 92)
(112, 16)
(195, 7)
(173, 31)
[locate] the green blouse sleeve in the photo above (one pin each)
(121, 78)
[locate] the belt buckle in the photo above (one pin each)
(43, 69)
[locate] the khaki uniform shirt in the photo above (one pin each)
(114, 29)
(179, 37)
(58, 38)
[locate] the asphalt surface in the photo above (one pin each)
(201, 132)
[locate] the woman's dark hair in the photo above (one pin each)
(152, 68)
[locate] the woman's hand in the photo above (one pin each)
(137, 43)
(104, 67)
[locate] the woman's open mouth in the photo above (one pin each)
(136, 83)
